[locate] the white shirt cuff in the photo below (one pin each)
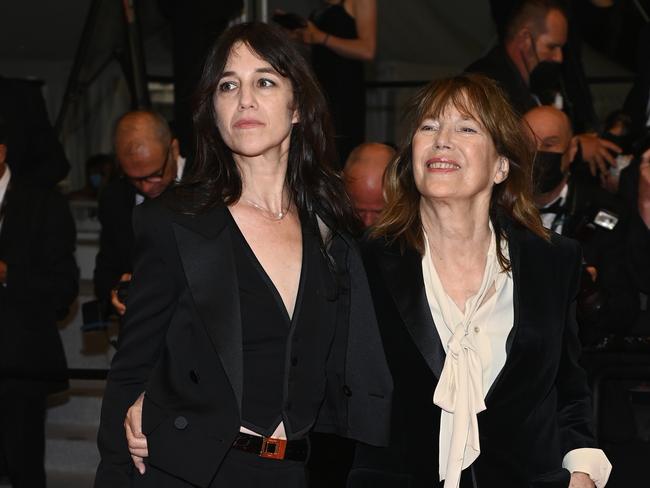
(590, 461)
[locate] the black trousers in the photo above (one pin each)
(22, 437)
(238, 470)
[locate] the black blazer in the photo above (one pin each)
(182, 343)
(538, 407)
(37, 241)
(115, 254)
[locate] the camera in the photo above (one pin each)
(289, 20)
(122, 290)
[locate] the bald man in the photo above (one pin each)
(148, 155)
(556, 150)
(587, 213)
(363, 176)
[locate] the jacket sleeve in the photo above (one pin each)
(150, 305)
(574, 398)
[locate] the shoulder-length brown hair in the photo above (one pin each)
(480, 98)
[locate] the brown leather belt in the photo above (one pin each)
(272, 448)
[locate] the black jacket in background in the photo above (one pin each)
(116, 238)
(37, 241)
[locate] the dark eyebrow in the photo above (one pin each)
(258, 70)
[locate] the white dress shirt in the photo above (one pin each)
(4, 184)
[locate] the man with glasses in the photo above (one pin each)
(149, 158)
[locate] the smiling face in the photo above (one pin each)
(253, 104)
(454, 158)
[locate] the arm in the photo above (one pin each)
(363, 47)
(587, 464)
(152, 298)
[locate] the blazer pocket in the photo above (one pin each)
(152, 415)
(560, 478)
(373, 478)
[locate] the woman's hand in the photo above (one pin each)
(581, 480)
(311, 34)
(136, 440)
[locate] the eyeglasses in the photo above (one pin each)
(156, 176)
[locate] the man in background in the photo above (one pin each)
(148, 156)
(363, 175)
(39, 280)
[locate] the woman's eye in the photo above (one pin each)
(470, 130)
(427, 127)
(265, 83)
(227, 86)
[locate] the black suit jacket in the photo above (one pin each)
(37, 241)
(182, 343)
(497, 65)
(538, 407)
(115, 254)
(33, 151)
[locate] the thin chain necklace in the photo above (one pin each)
(270, 214)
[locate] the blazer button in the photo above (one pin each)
(294, 361)
(180, 422)
(346, 391)
(194, 376)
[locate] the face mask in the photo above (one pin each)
(547, 171)
(95, 180)
(546, 81)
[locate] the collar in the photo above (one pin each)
(561, 198)
(4, 183)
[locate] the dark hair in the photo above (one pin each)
(532, 12)
(214, 177)
(480, 98)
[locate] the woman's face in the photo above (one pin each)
(253, 104)
(454, 158)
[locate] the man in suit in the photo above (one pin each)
(149, 158)
(35, 154)
(38, 282)
(609, 300)
(527, 64)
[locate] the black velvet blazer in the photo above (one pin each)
(539, 406)
(181, 342)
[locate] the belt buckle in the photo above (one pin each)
(273, 448)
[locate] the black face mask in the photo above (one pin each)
(546, 81)
(547, 171)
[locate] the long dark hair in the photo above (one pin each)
(481, 99)
(214, 178)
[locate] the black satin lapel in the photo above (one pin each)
(514, 251)
(209, 266)
(403, 275)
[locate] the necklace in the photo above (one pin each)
(269, 214)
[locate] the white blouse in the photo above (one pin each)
(475, 347)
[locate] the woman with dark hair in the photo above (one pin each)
(249, 321)
(476, 306)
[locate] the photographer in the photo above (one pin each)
(148, 156)
(609, 300)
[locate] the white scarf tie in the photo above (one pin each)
(460, 388)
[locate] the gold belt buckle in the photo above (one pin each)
(273, 448)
